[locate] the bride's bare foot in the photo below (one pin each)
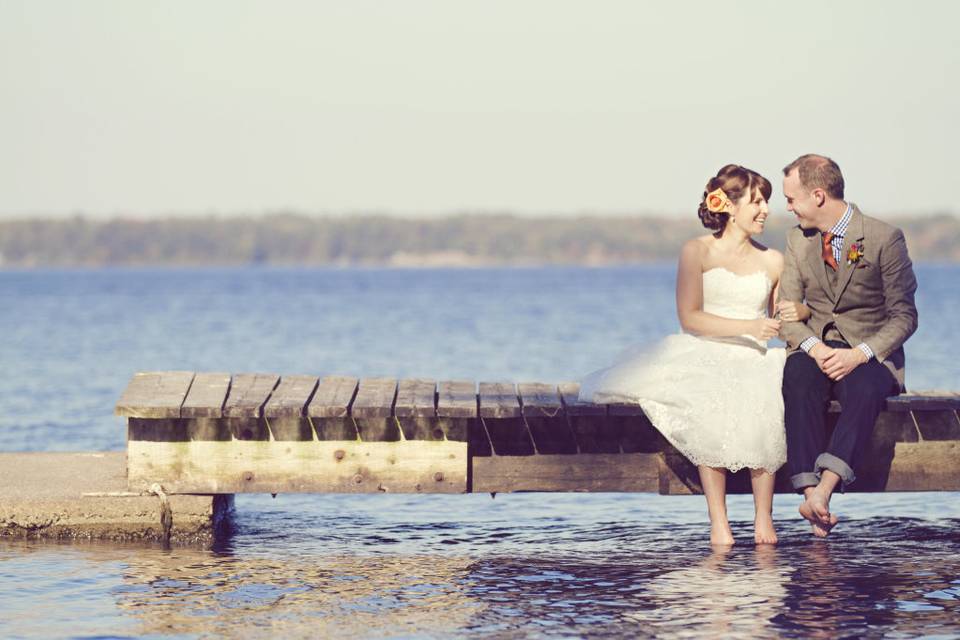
(816, 509)
(763, 530)
(720, 534)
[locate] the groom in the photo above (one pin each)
(854, 274)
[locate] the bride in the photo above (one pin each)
(714, 390)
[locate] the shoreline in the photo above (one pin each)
(476, 241)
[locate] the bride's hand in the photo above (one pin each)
(788, 311)
(765, 328)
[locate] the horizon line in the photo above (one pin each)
(388, 213)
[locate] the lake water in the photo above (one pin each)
(520, 565)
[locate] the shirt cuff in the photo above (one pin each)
(809, 343)
(867, 351)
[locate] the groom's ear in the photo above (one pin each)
(819, 196)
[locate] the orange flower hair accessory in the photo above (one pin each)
(717, 201)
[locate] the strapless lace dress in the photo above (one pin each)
(717, 400)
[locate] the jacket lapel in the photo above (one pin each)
(816, 264)
(854, 234)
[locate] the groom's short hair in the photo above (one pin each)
(818, 172)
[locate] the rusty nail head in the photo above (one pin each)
(358, 478)
(438, 476)
(247, 476)
(338, 454)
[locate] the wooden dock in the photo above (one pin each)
(217, 433)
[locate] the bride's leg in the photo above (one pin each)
(762, 482)
(714, 483)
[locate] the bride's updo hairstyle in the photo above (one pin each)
(735, 182)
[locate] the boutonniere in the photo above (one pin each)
(855, 253)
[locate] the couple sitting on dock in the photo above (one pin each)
(842, 298)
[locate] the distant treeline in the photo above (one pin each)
(467, 240)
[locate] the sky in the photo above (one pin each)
(429, 107)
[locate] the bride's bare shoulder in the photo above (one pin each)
(773, 258)
(772, 261)
(768, 255)
(699, 245)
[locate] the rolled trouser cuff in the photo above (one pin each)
(801, 481)
(835, 464)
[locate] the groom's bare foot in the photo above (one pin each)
(763, 530)
(721, 535)
(821, 530)
(816, 509)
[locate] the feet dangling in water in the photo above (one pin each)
(816, 509)
(720, 534)
(763, 531)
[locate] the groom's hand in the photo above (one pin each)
(841, 362)
(820, 352)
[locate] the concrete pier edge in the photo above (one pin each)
(84, 496)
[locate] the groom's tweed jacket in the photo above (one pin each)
(868, 301)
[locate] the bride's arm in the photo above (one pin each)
(788, 310)
(690, 311)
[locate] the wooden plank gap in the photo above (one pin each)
(187, 393)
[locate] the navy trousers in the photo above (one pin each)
(806, 396)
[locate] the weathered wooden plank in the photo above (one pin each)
(890, 427)
(157, 394)
(298, 467)
(248, 428)
(416, 410)
(375, 398)
(678, 476)
(543, 414)
(596, 434)
(457, 399)
(925, 401)
(416, 398)
(249, 392)
(457, 414)
(583, 472)
(290, 429)
(637, 434)
(285, 410)
(206, 396)
(499, 400)
(208, 429)
(919, 466)
(625, 410)
(539, 400)
(335, 428)
(911, 466)
(157, 430)
(372, 410)
(477, 436)
(290, 398)
(938, 425)
(502, 419)
(588, 421)
(916, 401)
(570, 395)
(333, 397)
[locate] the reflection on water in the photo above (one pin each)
(886, 577)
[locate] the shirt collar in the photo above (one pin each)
(840, 228)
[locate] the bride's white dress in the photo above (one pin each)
(717, 400)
